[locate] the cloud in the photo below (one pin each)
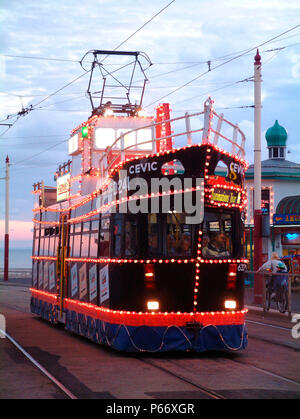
(189, 31)
(18, 230)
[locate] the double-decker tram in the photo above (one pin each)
(139, 246)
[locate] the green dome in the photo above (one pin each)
(276, 136)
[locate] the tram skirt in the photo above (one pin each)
(147, 338)
(157, 338)
(44, 309)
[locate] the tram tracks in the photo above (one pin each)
(183, 375)
(43, 370)
(67, 392)
(176, 373)
(206, 391)
(216, 394)
(270, 373)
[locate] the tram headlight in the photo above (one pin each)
(152, 305)
(230, 304)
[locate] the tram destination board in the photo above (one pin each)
(225, 196)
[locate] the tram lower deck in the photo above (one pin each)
(157, 315)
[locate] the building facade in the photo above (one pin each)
(280, 198)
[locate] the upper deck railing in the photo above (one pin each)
(186, 131)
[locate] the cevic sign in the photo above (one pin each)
(142, 167)
(63, 187)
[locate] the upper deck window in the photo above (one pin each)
(104, 137)
(142, 136)
(73, 144)
(129, 139)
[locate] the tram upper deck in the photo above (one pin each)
(102, 146)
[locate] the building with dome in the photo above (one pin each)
(280, 198)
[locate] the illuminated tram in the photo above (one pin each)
(139, 246)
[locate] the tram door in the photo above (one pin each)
(61, 265)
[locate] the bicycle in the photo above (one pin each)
(281, 293)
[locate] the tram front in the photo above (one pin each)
(177, 233)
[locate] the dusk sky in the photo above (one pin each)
(179, 42)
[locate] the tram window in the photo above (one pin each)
(179, 235)
(86, 226)
(76, 245)
(144, 135)
(42, 246)
(130, 236)
(46, 246)
(104, 137)
(105, 223)
(70, 244)
(217, 235)
(94, 245)
(117, 234)
(104, 243)
(35, 247)
(56, 245)
(85, 241)
(153, 234)
(129, 139)
(95, 225)
(78, 228)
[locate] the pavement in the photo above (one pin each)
(249, 301)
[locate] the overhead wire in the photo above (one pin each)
(155, 62)
(222, 64)
(212, 91)
(39, 153)
(35, 106)
(141, 27)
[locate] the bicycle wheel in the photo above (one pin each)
(282, 300)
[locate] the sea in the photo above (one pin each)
(18, 258)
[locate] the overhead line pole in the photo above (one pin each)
(258, 285)
(6, 236)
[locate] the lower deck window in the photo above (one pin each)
(179, 237)
(217, 235)
(130, 248)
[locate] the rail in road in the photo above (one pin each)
(82, 369)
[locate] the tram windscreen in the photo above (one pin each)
(217, 235)
(169, 235)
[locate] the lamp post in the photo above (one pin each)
(258, 284)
